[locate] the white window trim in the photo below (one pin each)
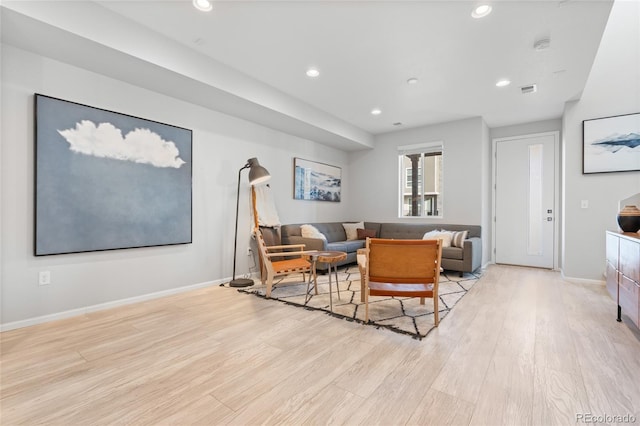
(419, 148)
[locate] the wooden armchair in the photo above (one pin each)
(291, 260)
(402, 268)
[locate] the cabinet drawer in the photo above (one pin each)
(629, 298)
(612, 249)
(629, 263)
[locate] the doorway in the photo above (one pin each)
(526, 200)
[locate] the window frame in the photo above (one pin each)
(425, 150)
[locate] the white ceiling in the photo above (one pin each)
(365, 51)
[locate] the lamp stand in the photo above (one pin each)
(240, 282)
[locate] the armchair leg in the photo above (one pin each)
(263, 275)
(269, 284)
(366, 305)
(436, 318)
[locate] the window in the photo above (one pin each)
(420, 196)
(409, 174)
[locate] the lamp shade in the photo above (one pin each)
(257, 173)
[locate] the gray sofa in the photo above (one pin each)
(465, 259)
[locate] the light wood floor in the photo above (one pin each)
(523, 347)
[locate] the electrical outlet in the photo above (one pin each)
(44, 278)
(249, 251)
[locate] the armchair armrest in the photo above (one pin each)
(292, 253)
(361, 256)
(285, 247)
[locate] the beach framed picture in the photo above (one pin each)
(316, 181)
(611, 144)
(106, 180)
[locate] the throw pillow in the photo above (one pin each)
(364, 233)
(310, 231)
(457, 238)
(352, 230)
(439, 235)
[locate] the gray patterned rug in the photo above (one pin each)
(402, 315)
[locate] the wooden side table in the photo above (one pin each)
(331, 258)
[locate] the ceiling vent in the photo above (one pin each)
(542, 44)
(531, 88)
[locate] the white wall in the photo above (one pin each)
(613, 88)
(373, 183)
(221, 145)
(544, 126)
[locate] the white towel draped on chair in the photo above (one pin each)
(265, 206)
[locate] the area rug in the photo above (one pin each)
(401, 315)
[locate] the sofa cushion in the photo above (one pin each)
(415, 231)
(310, 231)
(405, 231)
(452, 253)
(351, 229)
(346, 246)
(373, 226)
(457, 238)
(271, 236)
(444, 236)
(333, 231)
(363, 234)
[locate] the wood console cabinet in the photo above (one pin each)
(623, 273)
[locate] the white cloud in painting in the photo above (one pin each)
(106, 141)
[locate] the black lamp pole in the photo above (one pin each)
(257, 174)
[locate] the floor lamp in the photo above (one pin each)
(257, 174)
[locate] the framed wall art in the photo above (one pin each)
(105, 180)
(316, 181)
(611, 144)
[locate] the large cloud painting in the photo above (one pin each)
(106, 180)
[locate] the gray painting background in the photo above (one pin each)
(86, 203)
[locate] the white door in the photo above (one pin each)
(525, 198)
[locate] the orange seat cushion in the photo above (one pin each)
(291, 265)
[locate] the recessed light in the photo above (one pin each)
(376, 111)
(503, 83)
(312, 72)
(203, 5)
(412, 80)
(481, 11)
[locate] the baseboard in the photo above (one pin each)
(581, 280)
(107, 305)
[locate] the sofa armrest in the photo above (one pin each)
(310, 243)
(472, 253)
